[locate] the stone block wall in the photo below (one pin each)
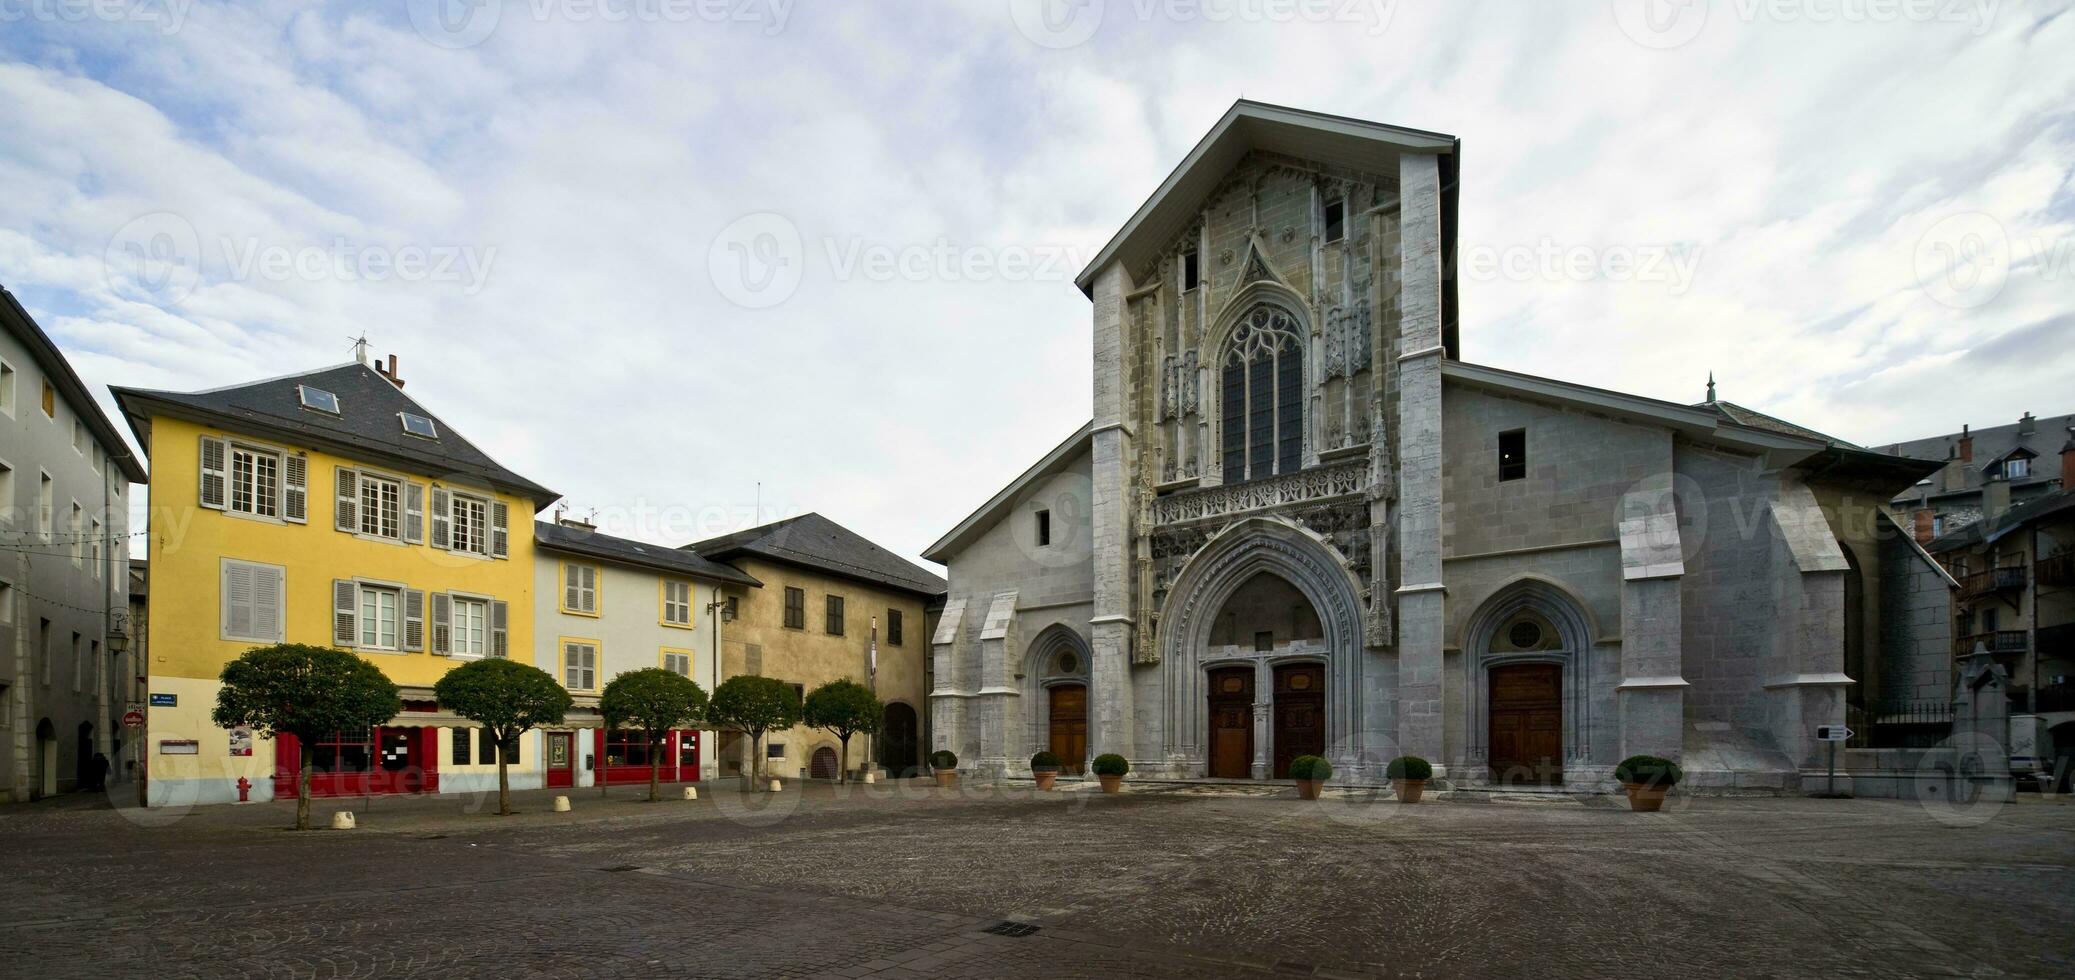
(1916, 639)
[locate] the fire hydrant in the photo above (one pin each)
(244, 790)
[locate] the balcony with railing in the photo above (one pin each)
(2057, 569)
(2010, 578)
(1997, 641)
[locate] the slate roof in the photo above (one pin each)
(366, 426)
(1755, 419)
(1989, 529)
(2049, 434)
(66, 381)
(592, 544)
(813, 541)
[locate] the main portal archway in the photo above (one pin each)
(1529, 716)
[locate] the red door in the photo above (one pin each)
(687, 756)
(561, 760)
(623, 756)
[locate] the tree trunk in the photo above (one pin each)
(756, 762)
(504, 783)
(302, 785)
(843, 759)
(655, 765)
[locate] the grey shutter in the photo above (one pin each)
(345, 613)
(590, 588)
(442, 624)
(441, 518)
(414, 513)
(572, 588)
(237, 600)
(295, 489)
(212, 490)
(500, 534)
(414, 619)
(266, 602)
(346, 514)
(499, 646)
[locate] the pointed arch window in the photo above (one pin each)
(1263, 410)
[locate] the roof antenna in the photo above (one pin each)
(1711, 387)
(758, 517)
(360, 346)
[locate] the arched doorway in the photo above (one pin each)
(1066, 722)
(1054, 708)
(1526, 711)
(1268, 631)
(46, 783)
(823, 764)
(898, 740)
(1529, 715)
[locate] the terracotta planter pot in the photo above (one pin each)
(947, 777)
(1409, 790)
(1045, 777)
(1307, 789)
(1645, 799)
(1112, 784)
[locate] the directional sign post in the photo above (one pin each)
(1832, 734)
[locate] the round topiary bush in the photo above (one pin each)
(1111, 764)
(943, 759)
(1648, 770)
(1044, 761)
(1310, 767)
(1409, 767)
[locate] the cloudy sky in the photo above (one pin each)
(653, 253)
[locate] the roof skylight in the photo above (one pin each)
(419, 425)
(318, 399)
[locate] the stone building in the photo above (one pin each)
(1300, 523)
(1987, 471)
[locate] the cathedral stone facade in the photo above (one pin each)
(1300, 524)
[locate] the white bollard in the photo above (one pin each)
(561, 804)
(691, 793)
(342, 820)
(775, 786)
(871, 777)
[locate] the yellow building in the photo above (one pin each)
(332, 509)
(825, 592)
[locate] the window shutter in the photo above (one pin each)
(572, 588)
(266, 602)
(499, 648)
(237, 600)
(212, 489)
(414, 619)
(295, 489)
(414, 513)
(346, 514)
(590, 589)
(442, 624)
(441, 519)
(345, 629)
(500, 534)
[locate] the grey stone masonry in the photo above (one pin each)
(1421, 600)
(1110, 505)
(1652, 693)
(999, 655)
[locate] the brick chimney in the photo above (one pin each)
(2068, 461)
(1995, 497)
(2026, 424)
(1966, 445)
(1922, 529)
(389, 371)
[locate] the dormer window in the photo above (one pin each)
(2017, 467)
(318, 400)
(419, 425)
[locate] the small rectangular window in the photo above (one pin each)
(50, 401)
(458, 755)
(380, 611)
(1264, 642)
(678, 663)
(1336, 220)
(795, 608)
(7, 388)
(486, 750)
(318, 399)
(893, 627)
(579, 666)
(835, 608)
(677, 603)
(1513, 454)
(1191, 273)
(1044, 528)
(2017, 468)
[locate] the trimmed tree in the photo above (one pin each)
(656, 701)
(508, 699)
(844, 708)
(305, 691)
(754, 705)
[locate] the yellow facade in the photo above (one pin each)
(188, 546)
(759, 642)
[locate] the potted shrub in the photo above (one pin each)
(944, 763)
(1408, 775)
(1311, 773)
(1647, 778)
(1044, 767)
(1110, 768)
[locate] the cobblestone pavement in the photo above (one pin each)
(903, 880)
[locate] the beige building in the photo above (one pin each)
(829, 599)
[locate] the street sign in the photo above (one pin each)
(1832, 733)
(165, 700)
(133, 719)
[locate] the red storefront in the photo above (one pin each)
(371, 762)
(624, 756)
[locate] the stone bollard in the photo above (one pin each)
(871, 777)
(342, 820)
(561, 804)
(691, 793)
(776, 786)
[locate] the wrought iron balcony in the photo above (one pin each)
(1339, 479)
(2006, 579)
(1998, 641)
(2057, 569)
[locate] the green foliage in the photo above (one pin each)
(1409, 767)
(654, 700)
(844, 707)
(1310, 767)
(1043, 761)
(504, 696)
(1648, 770)
(1111, 764)
(754, 705)
(944, 759)
(305, 691)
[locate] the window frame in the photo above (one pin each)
(832, 608)
(1044, 528)
(232, 449)
(455, 600)
(795, 617)
(455, 500)
(366, 479)
(596, 650)
(893, 627)
(1516, 468)
(361, 592)
(663, 588)
(1192, 269)
(1331, 231)
(223, 630)
(595, 591)
(691, 662)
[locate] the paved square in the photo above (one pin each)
(905, 880)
